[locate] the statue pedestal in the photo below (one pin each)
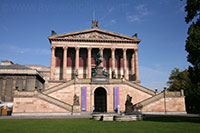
(76, 110)
(128, 108)
(100, 75)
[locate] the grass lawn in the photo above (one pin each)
(151, 125)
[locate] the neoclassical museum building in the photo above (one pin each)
(91, 70)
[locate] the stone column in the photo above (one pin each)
(136, 65)
(113, 60)
(3, 89)
(52, 63)
(77, 60)
(24, 86)
(133, 64)
(65, 63)
(125, 64)
(89, 62)
(14, 87)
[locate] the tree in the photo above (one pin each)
(180, 80)
(192, 46)
(192, 9)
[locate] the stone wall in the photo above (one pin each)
(66, 94)
(168, 104)
(34, 105)
(173, 102)
(9, 83)
(44, 71)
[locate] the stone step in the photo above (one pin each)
(55, 101)
(117, 117)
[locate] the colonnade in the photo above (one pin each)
(134, 67)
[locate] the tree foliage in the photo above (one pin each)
(192, 46)
(192, 9)
(181, 80)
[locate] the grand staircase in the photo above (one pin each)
(139, 87)
(44, 96)
(55, 101)
(58, 87)
(150, 100)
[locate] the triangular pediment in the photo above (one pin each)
(94, 34)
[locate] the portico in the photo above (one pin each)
(119, 54)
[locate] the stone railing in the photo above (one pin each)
(164, 94)
(55, 101)
(173, 94)
(139, 87)
(150, 100)
(25, 93)
(58, 87)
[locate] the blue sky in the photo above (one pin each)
(26, 24)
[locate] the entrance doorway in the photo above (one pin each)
(100, 100)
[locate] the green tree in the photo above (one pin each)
(192, 46)
(181, 80)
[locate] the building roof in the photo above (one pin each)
(13, 66)
(18, 69)
(94, 34)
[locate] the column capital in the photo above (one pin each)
(136, 50)
(89, 48)
(77, 48)
(65, 47)
(124, 49)
(101, 48)
(113, 49)
(53, 47)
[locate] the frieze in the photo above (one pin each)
(96, 36)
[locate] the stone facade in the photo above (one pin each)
(17, 77)
(73, 58)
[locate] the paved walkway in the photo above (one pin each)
(84, 115)
(48, 117)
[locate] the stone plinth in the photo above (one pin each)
(126, 118)
(76, 109)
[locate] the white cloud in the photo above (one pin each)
(138, 14)
(32, 51)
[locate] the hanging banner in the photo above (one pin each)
(116, 97)
(83, 98)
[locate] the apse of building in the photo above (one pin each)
(120, 59)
